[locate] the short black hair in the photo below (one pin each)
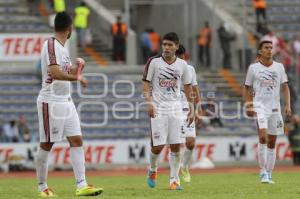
(62, 21)
(260, 45)
(181, 50)
(171, 36)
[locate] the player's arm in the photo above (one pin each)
(197, 103)
(148, 98)
(57, 74)
(188, 91)
(248, 100)
(287, 99)
(147, 79)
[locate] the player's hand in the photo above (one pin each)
(249, 110)
(287, 111)
(83, 81)
(80, 64)
(151, 110)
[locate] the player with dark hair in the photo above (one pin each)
(262, 97)
(163, 78)
(189, 130)
(57, 113)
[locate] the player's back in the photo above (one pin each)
(54, 53)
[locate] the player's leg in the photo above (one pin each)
(174, 161)
(41, 159)
(158, 140)
(175, 137)
(262, 124)
(190, 133)
(275, 129)
(72, 131)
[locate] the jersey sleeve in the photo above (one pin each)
(186, 75)
(249, 77)
(149, 70)
(283, 76)
(52, 55)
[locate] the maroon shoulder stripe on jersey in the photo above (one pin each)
(147, 67)
(46, 121)
(51, 51)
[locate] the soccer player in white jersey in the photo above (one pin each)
(56, 111)
(262, 96)
(166, 74)
(189, 130)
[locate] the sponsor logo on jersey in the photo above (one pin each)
(167, 83)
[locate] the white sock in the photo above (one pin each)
(174, 161)
(187, 156)
(262, 156)
(77, 161)
(41, 162)
(271, 158)
(153, 161)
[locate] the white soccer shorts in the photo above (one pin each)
(57, 120)
(273, 122)
(167, 129)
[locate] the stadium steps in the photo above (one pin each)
(15, 18)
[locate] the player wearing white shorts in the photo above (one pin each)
(189, 130)
(266, 77)
(57, 114)
(166, 74)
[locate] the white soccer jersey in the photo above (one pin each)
(194, 82)
(54, 53)
(167, 80)
(266, 82)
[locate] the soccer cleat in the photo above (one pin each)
(88, 190)
(264, 178)
(175, 186)
(151, 178)
(185, 174)
(46, 193)
(270, 178)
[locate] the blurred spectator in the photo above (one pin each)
(119, 33)
(59, 6)
(226, 38)
(210, 112)
(296, 52)
(81, 23)
(262, 28)
(154, 42)
(24, 132)
(204, 45)
(145, 45)
(294, 138)
(10, 131)
(260, 7)
(294, 99)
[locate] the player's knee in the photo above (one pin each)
(156, 149)
(175, 148)
(190, 144)
(46, 146)
(75, 141)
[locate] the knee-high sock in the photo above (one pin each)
(262, 156)
(41, 162)
(271, 159)
(153, 161)
(77, 161)
(186, 159)
(174, 161)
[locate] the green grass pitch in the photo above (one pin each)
(203, 186)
